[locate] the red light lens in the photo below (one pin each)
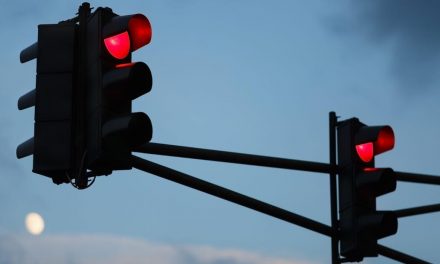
(385, 140)
(140, 31)
(365, 151)
(118, 45)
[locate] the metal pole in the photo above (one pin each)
(229, 195)
(233, 157)
(333, 189)
(81, 179)
(399, 256)
(417, 178)
(418, 210)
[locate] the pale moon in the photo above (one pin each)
(34, 224)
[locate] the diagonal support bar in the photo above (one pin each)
(233, 157)
(418, 210)
(417, 178)
(229, 195)
(398, 256)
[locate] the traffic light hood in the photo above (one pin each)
(127, 82)
(137, 26)
(379, 224)
(381, 137)
(133, 130)
(374, 182)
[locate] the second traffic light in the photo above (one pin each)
(360, 183)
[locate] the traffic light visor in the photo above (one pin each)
(137, 27)
(385, 140)
(127, 81)
(374, 182)
(133, 129)
(371, 141)
(379, 224)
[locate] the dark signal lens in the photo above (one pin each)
(118, 45)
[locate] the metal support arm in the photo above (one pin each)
(233, 157)
(399, 256)
(229, 195)
(418, 210)
(417, 178)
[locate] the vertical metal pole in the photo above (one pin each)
(333, 190)
(80, 177)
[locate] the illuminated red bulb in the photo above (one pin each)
(118, 45)
(365, 151)
(374, 141)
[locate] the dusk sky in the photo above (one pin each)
(247, 76)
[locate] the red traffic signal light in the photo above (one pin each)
(118, 45)
(372, 141)
(360, 183)
(124, 34)
(114, 81)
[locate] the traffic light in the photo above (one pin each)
(84, 125)
(360, 183)
(113, 80)
(52, 144)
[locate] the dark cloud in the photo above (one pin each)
(411, 29)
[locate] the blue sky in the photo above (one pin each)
(248, 76)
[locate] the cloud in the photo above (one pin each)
(100, 249)
(410, 28)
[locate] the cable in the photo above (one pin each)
(86, 174)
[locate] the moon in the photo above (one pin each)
(34, 223)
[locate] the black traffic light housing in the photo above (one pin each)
(113, 82)
(84, 125)
(360, 183)
(53, 98)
